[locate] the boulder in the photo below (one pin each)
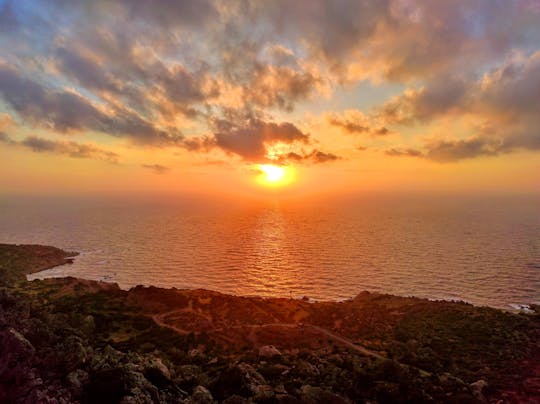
(74, 353)
(306, 369)
(156, 372)
(201, 395)
(120, 385)
(268, 351)
(77, 379)
(477, 389)
(241, 379)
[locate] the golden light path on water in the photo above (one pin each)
(483, 251)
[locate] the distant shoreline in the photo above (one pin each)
(71, 256)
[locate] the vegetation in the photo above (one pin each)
(74, 340)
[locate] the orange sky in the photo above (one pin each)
(192, 97)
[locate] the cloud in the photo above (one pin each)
(151, 71)
(250, 140)
(71, 149)
(85, 70)
(356, 122)
(156, 168)
(435, 98)
(318, 156)
(279, 86)
(65, 111)
(4, 138)
(499, 110)
(451, 150)
(315, 156)
(400, 152)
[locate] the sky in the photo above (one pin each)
(193, 96)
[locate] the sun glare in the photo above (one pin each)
(274, 175)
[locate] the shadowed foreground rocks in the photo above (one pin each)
(69, 340)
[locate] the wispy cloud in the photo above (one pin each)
(156, 168)
(71, 149)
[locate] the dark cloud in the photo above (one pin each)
(84, 70)
(435, 98)
(71, 149)
(315, 156)
(199, 143)
(4, 138)
(251, 141)
(358, 124)
(318, 156)
(400, 152)
(156, 168)
(248, 139)
(65, 111)
(453, 150)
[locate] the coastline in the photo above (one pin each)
(521, 307)
(190, 343)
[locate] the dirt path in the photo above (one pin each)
(348, 343)
(158, 319)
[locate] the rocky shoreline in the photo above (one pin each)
(71, 340)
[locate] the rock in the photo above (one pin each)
(121, 385)
(196, 354)
(306, 369)
(188, 375)
(316, 395)
(88, 325)
(201, 395)
(74, 353)
(241, 379)
(157, 373)
(451, 382)
(263, 393)
(268, 351)
(16, 355)
(107, 386)
(477, 389)
(20, 343)
(140, 388)
(235, 399)
(77, 379)
(106, 358)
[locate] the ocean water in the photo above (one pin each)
(484, 250)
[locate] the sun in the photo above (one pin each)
(274, 175)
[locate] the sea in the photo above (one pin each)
(484, 250)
